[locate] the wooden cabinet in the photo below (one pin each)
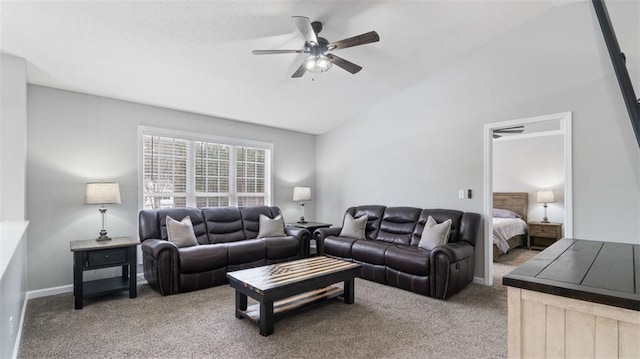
(541, 235)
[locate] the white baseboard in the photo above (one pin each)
(478, 280)
(32, 294)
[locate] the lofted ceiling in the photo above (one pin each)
(196, 56)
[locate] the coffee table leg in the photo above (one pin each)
(348, 291)
(241, 304)
(266, 318)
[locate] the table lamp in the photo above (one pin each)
(545, 197)
(102, 193)
(302, 194)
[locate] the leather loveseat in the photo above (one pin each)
(390, 255)
(226, 239)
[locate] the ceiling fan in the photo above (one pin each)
(320, 59)
(497, 133)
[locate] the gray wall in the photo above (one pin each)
(528, 164)
(75, 138)
(422, 145)
(13, 149)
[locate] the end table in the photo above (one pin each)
(311, 227)
(93, 254)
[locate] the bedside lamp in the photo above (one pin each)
(102, 193)
(545, 197)
(302, 194)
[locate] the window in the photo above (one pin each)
(187, 170)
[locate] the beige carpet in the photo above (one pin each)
(384, 322)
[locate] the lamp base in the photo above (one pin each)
(302, 221)
(545, 220)
(103, 236)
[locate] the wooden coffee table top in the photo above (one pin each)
(275, 276)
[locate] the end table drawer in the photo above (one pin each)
(544, 231)
(106, 257)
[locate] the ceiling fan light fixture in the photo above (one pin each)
(317, 63)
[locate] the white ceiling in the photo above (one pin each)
(196, 56)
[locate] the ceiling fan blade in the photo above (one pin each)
(299, 72)
(346, 65)
(515, 129)
(273, 52)
(367, 38)
(304, 25)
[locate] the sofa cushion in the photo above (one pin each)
(369, 251)
(195, 214)
(374, 215)
(224, 224)
(338, 246)
(440, 215)
(434, 234)
(181, 233)
(412, 260)
(397, 224)
(247, 251)
(282, 247)
(271, 227)
(251, 218)
(202, 258)
(352, 227)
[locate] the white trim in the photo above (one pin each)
(566, 129)
(193, 136)
(16, 344)
(478, 280)
(46, 292)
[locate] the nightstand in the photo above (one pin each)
(311, 227)
(93, 254)
(541, 235)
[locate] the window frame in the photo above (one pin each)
(228, 141)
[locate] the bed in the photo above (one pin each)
(509, 232)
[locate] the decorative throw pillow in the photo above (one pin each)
(354, 228)
(181, 233)
(435, 233)
(271, 227)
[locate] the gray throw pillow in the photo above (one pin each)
(271, 227)
(181, 233)
(435, 233)
(354, 228)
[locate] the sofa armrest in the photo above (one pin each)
(161, 263)
(451, 268)
(304, 236)
(321, 233)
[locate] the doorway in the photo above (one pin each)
(563, 129)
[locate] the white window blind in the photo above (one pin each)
(182, 170)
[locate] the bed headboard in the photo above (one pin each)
(513, 201)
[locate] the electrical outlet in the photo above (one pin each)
(461, 194)
(469, 194)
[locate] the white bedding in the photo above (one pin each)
(505, 228)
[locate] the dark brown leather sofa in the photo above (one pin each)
(227, 241)
(390, 253)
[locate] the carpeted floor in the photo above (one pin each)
(384, 322)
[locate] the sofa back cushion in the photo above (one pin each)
(251, 218)
(439, 215)
(199, 227)
(374, 214)
(224, 224)
(398, 224)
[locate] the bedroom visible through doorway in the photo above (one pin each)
(527, 162)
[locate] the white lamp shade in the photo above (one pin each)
(545, 197)
(102, 193)
(301, 193)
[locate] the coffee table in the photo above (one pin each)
(283, 287)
